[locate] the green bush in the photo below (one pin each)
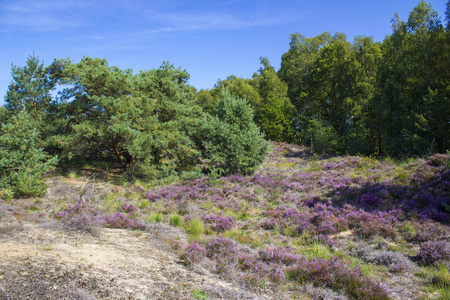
(233, 142)
(196, 227)
(175, 220)
(21, 163)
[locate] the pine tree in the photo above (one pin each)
(30, 89)
(22, 163)
(232, 141)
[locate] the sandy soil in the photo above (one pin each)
(42, 260)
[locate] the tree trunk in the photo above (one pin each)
(114, 145)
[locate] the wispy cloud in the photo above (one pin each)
(42, 15)
(137, 19)
(210, 21)
(159, 22)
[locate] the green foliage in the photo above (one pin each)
(148, 121)
(413, 102)
(200, 295)
(176, 220)
(206, 100)
(386, 98)
(158, 218)
(241, 88)
(196, 227)
(323, 137)
(30, 89)
(232, 141)
(21, 163)
(276, 112)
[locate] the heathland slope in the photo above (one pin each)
(304, 226)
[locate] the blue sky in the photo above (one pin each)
(211, 39)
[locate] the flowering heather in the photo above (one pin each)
(398, 268)
(269, 223)
(439, 160)
(223, 252)
(120, 220)
(193, 253)
(326, 199)
(221, 248)
(433, 252)
(337, 275)
(276, 273)
(218, 222)
(251, 262)
(80, 216)
(128, 208)
(280, 255)
(325, 239)
(427, 231)
(138, 188)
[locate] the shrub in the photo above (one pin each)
(279, 255)
(80, 216)
(387, 258)
(337, 275)
(269, 223)
(398, 268)
(221, 247)
(196, 227)
(119, 220)
(433, 252)
(232, 141)
(223, 251)
(219, 222)
(128, 208)
(193, 253)
(175, 220)
(439, 160)
(22, 162)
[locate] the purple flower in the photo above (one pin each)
(193, 253)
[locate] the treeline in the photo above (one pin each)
(367, 97)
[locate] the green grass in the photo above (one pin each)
(143, 203)
(157, 218)
(316, 250)
(176, 220)
(197, 294)
(244, 237)
(438, 278)
(111, 202)
(196, 227)
(73, 174)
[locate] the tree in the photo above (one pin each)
(148, 121)
(22, 163)
(232, 141)
(413, 83)
(276, 113)
(241, 88)
(30, 89)
(206, 100)
(296, 67)
(364, 131)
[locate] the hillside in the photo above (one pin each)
(305, 226)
